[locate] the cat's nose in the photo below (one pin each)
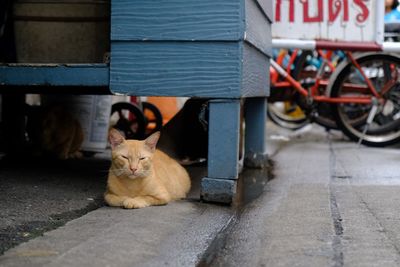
(133, 169)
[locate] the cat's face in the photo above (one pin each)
(132, 158)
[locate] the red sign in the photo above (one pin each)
(334, 9)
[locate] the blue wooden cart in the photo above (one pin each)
(216, 49)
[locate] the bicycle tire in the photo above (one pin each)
(282, 117)
(284, 120)
(351, 118)
(125, 124)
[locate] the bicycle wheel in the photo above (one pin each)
(383, 70)
(154, 119)
(287, 114)
(285, 111)
(129, 119)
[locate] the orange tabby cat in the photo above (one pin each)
(141, 175)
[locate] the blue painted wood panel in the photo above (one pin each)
(223, 139)
(258, 28)
(193, 69)
(176, 69)
(191, 20)
(255, 81)
(255, 134)
(177, 20)
(55, 75)
(267, 8)
(256, 117)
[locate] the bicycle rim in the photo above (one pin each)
(289, 119)
(352, 118)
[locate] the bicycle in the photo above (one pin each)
(363, 94)
(289, 109)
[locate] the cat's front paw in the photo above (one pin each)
(135, 203)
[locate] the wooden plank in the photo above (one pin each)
(255, 134)
(199, 69)
(193, 69)
(54, 75)
(177, 20)
(258, 28)
(267, 8)
(255, 73)
(223, 139)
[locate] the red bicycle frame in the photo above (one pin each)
(313, 92)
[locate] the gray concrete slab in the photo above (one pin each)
(39, 200)
(330, 204)
(176, 234)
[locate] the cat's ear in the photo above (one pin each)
(115, 138)
(152, 140)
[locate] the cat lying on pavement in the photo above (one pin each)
(141, 175)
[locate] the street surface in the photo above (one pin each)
(325, 202)
(330, 204)
(38, 195)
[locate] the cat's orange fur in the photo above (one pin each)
(141, 175)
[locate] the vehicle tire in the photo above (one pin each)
(351, 118)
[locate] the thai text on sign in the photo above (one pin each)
(335, 20)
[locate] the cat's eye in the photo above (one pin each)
(125, 157)
(142, 158)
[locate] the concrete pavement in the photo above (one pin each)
(330, 204)
(175, 235)
(38, 200)
(40, 195)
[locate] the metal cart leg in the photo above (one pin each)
(255, 133)
(223, 151)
